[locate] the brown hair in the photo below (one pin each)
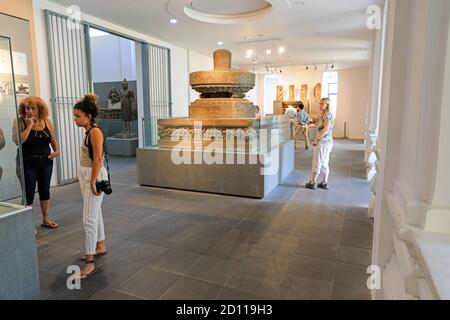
(88, 105)
(34, 101)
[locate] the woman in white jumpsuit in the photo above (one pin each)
(90, 171)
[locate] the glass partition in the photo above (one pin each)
(11, 173)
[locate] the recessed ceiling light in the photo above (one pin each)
(220, 43)
(281, 50)
(173, 20)
(268, 52)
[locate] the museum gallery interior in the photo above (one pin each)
(255, 149)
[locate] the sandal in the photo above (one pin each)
(52, 225)
(87, 275)
(83, 258)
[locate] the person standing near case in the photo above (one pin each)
(91, 170)
(303, 124)
(37, 134)
(323, 144)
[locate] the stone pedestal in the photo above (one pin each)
(122, 147)
(19, 276)
(156, 168)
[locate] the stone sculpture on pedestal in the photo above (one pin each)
(194, 153)
(126, 102)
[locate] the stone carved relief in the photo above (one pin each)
(280, 96)
(304, 93)
(241, 134)
(317, 94)
(291, 92)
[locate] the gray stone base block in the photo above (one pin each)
(156, 168)
(122, 147)
(19, 276)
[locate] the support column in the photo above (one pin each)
(414, 154)
(373, 114)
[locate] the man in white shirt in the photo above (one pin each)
(292, 113)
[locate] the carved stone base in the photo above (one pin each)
(157, 168)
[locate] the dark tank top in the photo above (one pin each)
(38, 142)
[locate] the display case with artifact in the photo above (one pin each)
(19, 264)
(214, 149)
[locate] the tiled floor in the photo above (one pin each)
(169, 244)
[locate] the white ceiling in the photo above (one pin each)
(317, 31)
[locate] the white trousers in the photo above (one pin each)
(92, 212)
(321, 159)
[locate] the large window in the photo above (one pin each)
(270, 92)
(330, 89)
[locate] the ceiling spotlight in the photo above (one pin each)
(249, 53)
(268, 52)
(173, 20)
(307, 67)
(220, 43)
(281, 50)
(315, 68)
(332, 66)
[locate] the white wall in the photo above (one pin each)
(198, 62)
(113, 58)
(352, 103)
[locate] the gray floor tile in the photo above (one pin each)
(214, 270)
(235, 294)
(176, 261)
(197, 244)
(341, 292)
(350, 275)
(357, 239)
(312, 268)
(357, 256)
(317, 249)
(107, 294)
(148, 283)
(191, 289)
(300, 288)
(257, 279)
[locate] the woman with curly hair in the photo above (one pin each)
(37, 134)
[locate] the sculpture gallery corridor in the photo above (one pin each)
(194, 154)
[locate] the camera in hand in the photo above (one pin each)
(104, 186)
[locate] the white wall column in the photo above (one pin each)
(412, 184)
(373, 112)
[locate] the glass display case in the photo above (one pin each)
(11, 173)
(17, 240)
